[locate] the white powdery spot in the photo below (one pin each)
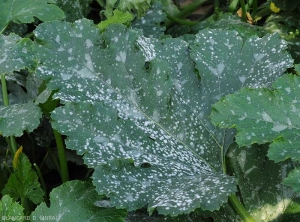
(258, 57)
(288, 89)
(88, 43)
(159, 92)
(266, 117)
(156, 116)
(121, 57)
(147, 48)
(89, 63)
(221, 68)
(57, 39)
(278, 127)
(242, 79)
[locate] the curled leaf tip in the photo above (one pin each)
(16, 157)
(274, 8)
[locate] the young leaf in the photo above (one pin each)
(24, 11)
(129, 98)
(10, 210)
(78, 205)
(23, 182)
(118, 18)
(138, 6)
(14, 119)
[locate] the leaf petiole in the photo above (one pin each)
(13, 143)
(62, 156)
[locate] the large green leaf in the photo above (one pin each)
(262, 115)
(10, 210)
(132, 109)
(77, 205)
(138, 111)
(24, 11)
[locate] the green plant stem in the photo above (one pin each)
(243, 6)
(190, 8)
(26, 205)
(254, 8)
(42, 182)
(61, 156)
(240, 209)
(4, 90)
(13, 143)
(181, 21)
(233, 5)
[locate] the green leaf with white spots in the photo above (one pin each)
(265, 115)
(150, 23)
(260, 181)
(78, 205)
(132, 108)
(24, 11)
(226, 63)
(16, 118)
(10, 209)
(74, 9)
(15, 53)
(293, 180)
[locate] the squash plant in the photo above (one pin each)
(135, 105)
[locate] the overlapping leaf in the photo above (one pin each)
(226, 64)
(74, 9)
(10, 210)
(14, 119)
(24, 11)
(262, 115)
(15, 53)
(78, 205)
(132, 106)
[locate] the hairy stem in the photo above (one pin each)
(61, 156)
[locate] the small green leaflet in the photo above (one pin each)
(262, 115)
(24, 11)
(23, 182)
(118, 18)
(77, 205)
(10, 210)
(131, 107)
(16, 118)
(137, 6)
